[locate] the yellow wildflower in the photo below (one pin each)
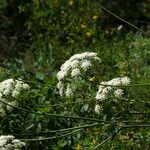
(79, 147)
(71, 3)
(120, 124)
(83, 26)
(92, 79)
(106, 31)
(123, 138)
(94, 141)
(88, 34)
(95, 17)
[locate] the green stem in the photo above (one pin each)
(107, 139)
(61, 130)
(60, 116)
(136, 126)
(50, 138)
(116, 16)
(131, 85)
(62, 104)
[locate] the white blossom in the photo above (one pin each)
(9, 147)
(101, 97)
(2, 112)
(92, 54)
(9, 108)
(9, 89)
(119, 27)
(75, 72)
(74, 63)
(18, 144)
(83, 55)
(125, 80)
(1, 95)
(15, 93)
(6, 92)
(25, 86)
(2, 142)
(106, 87)
(61, 75)
(86, 64)
(114, 82)
(59, 84)
(13, 103)
(118, 93)
(8, 142)
(66, 66)
(8, 86)
(61, 91)
(69, 91)
(72, 68)
(98, 109)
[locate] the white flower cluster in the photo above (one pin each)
(110, 86)
(98, 109)
(74, 67)
(8, 142)
(10, 88)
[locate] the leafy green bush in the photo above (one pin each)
(56, 31)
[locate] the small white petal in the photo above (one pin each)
(15, 93)
(86, 64)
(69, 91)
(75, 72)
(118, 93)
(98, 109)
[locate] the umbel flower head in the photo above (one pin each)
(9, 90)
(73, 68)
(105, 88)
(8, 142)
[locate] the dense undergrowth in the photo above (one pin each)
(39, 115)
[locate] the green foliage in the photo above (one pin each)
(49, 32)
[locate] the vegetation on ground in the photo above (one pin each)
(74, 77)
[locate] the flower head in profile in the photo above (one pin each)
(106, 88)
(8, 142)
(74, 68)
(10, 89)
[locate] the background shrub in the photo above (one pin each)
(37, 37)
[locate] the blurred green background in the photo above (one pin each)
(38, 36)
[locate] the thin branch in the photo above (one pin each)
(62, 104)
(116, 16)
(107, 139)
(136, 126)
(132, 121)
(130, 85)
(60, 116)
(50, 138)
(139, 113)
(38, 83)
(44, 84)
(61, 130)
(103, 142)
